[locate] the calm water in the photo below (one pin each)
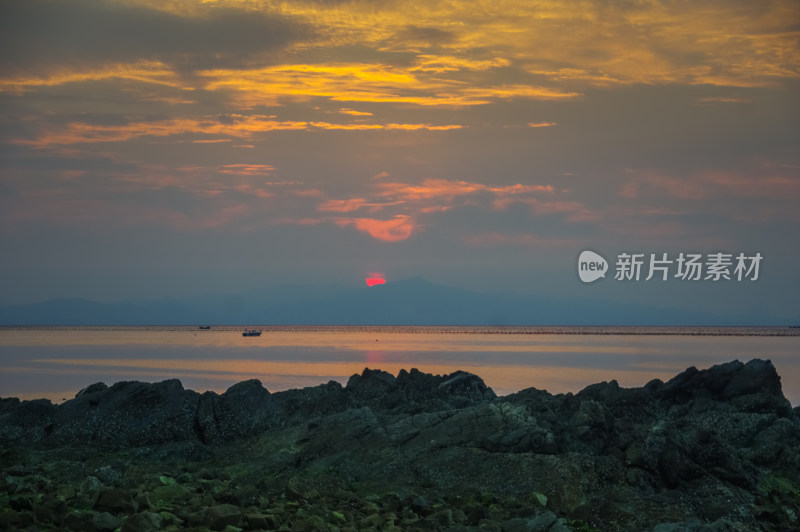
(55, 363)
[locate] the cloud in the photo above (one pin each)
(429, 189)
(234, 126)
(574, 211)
(296, 221)
(141, 71)
(712, 100)
(425, 53)
(431, 196)
(394, 230)
(348, 205)
(740, 44)
(449, 189)
(365, 82)
(68, 207)
(786, 187)
(353, 112)
(526, 240)
(413, 37)
(392, 126)
(247, 169)
(447, 63)
(761, 183)
(237, 126)
(37, 35)
(654, 183)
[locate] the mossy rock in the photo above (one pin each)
(774, 486)
(169, 495)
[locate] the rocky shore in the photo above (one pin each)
(710, 450)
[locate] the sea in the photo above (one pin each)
(56, 362)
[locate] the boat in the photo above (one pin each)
(251, 332)
(205, 327)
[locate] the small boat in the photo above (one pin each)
(251, 332)
(205, 327)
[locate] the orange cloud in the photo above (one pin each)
(347, 205)
(247, 169)
(350, 127)
(429, 127)
(541, 124)
(740, 44)
(353, 112)
(443, 63)
(238, 126)
(710, 100)
(364, 127)
(366, 82)
(308, 193)
(429, 188)
(443, 188)
(152, 72)
(395, 230)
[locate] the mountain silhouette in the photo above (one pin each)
(405, 302)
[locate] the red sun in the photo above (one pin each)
(372, 281)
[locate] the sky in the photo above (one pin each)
(169, 148)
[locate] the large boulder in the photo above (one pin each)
(127, 414)
(751, 387)
(244, 409)
(415, 391)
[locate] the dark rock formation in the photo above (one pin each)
(712, 449)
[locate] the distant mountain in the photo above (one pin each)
(408, 302)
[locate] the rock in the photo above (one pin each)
(169, 496)
(671, 527)
(418, 505)
(372, 385)
(143, 522)
(222, 515)
(14, 520)
(443, 518)
(414, 451)
(107, 475)
(593, 422)
(259, 521)
(88, 491)
(91, 521)
(92, 389)
(732, 381)
(543, 522)
(244, 409)
(465, 389)
(26, 423)
(50, 510)
(127, 414)
(115, 501)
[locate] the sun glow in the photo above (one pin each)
(372, 281)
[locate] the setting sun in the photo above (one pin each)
(371, 281)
